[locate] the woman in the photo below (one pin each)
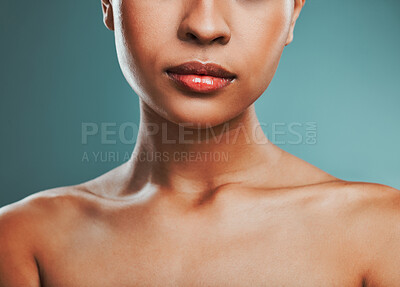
(206, 199)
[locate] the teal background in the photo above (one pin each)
(59, 69)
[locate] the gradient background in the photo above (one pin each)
(59, 69)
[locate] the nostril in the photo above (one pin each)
(191, 36)
(221, 38)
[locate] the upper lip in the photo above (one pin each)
(198, 68)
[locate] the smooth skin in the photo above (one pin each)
(262, 218)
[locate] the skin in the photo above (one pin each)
(264, 218)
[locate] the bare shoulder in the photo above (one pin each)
(48, 206)
(364, 220)
(23, 225)
(370, 215)
(372, 191)
(32, 212)
(44, 203)
(379, 233)
(371, 202)
(366, 197)
(356, 203)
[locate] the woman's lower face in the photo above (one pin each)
(246, 38)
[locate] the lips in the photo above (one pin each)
(202, 78)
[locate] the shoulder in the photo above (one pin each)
(368, 195)
(363, 219)
(379, 234)
(370, 216)
(40, 207)
(26, 222)
(28, 214)
(23, 225)
(368, 201)
(354, 196)
(357, 204)
(42, 203)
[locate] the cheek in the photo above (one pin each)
(266, 36)
(140, 34)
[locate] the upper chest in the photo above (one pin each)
(285, 254)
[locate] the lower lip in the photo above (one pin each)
(200, 83)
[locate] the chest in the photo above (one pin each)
(255, 259)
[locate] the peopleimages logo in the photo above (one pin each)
(279, 133)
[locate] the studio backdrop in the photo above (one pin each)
(67, 114)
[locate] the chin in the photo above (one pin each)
(199, 113)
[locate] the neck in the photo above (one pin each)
(199, 161)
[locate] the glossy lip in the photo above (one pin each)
(197, 77)
(197, 68)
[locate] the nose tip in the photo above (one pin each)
(204, 24)
(206, 38)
